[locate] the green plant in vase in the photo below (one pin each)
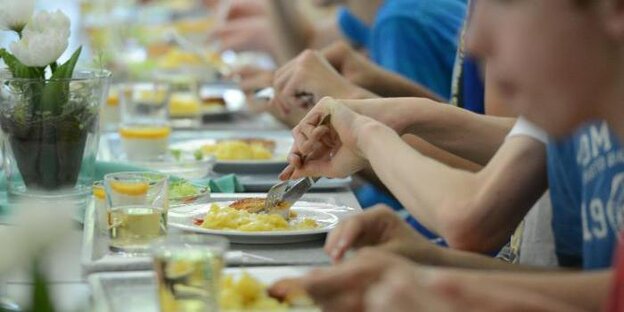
(48, 110)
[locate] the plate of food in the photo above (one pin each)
(242, 221)
(220, 99)
(244, 155)
(241, 289)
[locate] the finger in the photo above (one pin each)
(287, 173)
(338, 244)
(277, 105)
(325, 284)
(282, 76)
(251, 84)
(316, 141)
(315, 149)
(295, 160)
(302, 137)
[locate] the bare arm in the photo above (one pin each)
(361, 71)
(476, 212)
(297, 32)
(471, 136)
(588, 290)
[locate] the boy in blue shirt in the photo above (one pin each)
(586, 177)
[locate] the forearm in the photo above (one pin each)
(419, 183)
(388, 84)
(448, 257)
(588, 290)
(470, 136)
(294, 30)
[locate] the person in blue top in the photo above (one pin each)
(414, 38)
(586, 177)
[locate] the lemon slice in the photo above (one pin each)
(132, 189)
(98, 192)
(145, 132)
(113, 99)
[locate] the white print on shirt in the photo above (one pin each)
(596, 155)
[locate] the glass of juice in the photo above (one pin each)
(188, 270)
(144, 128)
(137, 203)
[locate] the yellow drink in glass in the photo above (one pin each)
(188, 270)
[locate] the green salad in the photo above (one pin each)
(182, 188)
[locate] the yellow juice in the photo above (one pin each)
(134, 227)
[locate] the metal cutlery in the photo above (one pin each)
(284, 194)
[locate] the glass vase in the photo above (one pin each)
(50, 133)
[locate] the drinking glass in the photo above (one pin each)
(99, 205)
(145, 128)
(138, 204)
(188, 270)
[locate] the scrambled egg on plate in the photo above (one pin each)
(247, 293)
(226, 218)
(237, 150)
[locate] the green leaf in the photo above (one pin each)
(41, 294)
(18, 69)
(56, 92)
(66, 70)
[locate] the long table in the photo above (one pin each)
(71, 292)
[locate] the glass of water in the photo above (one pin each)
(188, 270)
(137, 203)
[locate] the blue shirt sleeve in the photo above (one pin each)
(411, 52)
(353, 28)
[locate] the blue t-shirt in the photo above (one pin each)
(415, 38)
(586, 177)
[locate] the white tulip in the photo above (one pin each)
(15, 14)
(44, 39)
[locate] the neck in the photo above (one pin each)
(365, 9)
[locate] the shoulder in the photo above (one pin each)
(422, 12)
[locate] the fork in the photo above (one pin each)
(283, 192)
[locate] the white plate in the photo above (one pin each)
(324, 214)
(136, 291)
(273, 165)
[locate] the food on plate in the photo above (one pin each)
(247, 293)
(256, 205)
(233, 219)
(253, 205)
(183, 104)
(175, 58)
(238, 150)
(212, 101)
(144, 142)
(291, 291)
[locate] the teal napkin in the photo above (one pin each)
(224, 184)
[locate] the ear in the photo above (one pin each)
(613, 13)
